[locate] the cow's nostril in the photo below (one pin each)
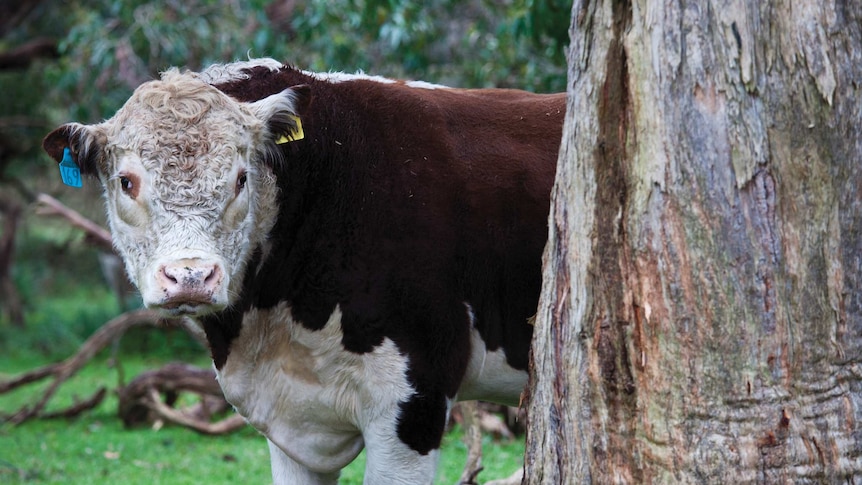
(185, 277)
(168, 276)
(213, 276)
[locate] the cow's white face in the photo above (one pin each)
(187, 191)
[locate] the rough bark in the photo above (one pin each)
(701, 319)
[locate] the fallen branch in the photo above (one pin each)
(141, 400)
(79, 407)
(514, 479)
(31, 376)
(62, 371)
(96, 234)
(168, 413)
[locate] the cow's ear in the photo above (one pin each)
(85, 143)
(282, 112)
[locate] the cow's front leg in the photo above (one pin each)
(404, 446)
(286, 471)
(390, 462)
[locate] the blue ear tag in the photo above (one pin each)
(69, 171)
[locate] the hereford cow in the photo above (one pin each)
(360, 252)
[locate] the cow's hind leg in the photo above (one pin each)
(285, 471)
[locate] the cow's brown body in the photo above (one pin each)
(389, 259)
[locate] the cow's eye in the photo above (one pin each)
(130, 185)
(240, 182)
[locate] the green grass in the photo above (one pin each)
(96, 449)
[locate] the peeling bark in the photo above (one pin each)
(701, 317)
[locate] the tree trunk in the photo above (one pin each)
(701, 317)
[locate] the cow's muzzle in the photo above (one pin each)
(190, 287)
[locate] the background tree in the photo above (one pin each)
(701, 319)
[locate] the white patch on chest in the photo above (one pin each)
(304, 392)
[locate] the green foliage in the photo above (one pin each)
(113, 46)
(548, 19)
(478, 43)
(60, 324)
(59, 282)
(109, 47)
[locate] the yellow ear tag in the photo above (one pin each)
(295, 135)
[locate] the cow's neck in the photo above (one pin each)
(295, 263)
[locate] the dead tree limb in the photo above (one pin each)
(179, 377)
(96, 234)
(69, 367)
(473, 440)
(141, 400)
(478, 419)
(168, 413)
(514, 479)
(79, 407)
(30, 376)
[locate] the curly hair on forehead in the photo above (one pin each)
(182, 98)
(180, 117)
